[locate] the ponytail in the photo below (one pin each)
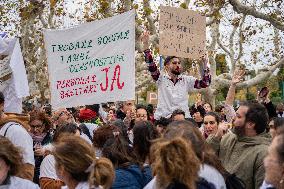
(175, 162)
(102, 173)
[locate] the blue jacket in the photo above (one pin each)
(132, 177)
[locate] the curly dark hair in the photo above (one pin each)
(42, 116)
(11, 155)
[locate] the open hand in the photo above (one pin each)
(238, 76)
(145, 37)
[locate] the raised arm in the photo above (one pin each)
(237, 77)
(206, 77)
(152, 67)
(229, 109)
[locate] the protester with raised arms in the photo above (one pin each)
(173, 86)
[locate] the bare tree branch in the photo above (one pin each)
(257, 79)
(241, 40)
(221, 44)
(241, 8)
(45, 25)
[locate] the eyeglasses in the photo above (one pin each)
(176, 62)
(36, 126)
(141, 115)
(62, 113)
(210, 122)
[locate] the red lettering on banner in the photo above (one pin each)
(106, 86)
(119, 85)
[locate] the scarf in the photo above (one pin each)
(38, 138)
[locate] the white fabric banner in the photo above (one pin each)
(93, 62)
(15, 87)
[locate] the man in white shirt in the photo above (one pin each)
(173, 86)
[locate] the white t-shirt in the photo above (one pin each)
(18, 183)
(212, 175)
(82, 185)
(173, 96)
(47, 168)
(207, 172)
(91, 127)
(20, 138)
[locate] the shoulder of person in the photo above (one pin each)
(15, 129)
(17, 182)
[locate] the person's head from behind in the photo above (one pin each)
(62, 116)
(211, 122)
(173, 65)
(274, 161)
(188, 131)
(39, 122)
(76, 162)
(275, 124)
(207, 107)
(191, 133)
(178, 115)
(141, 113)
(144, 132)
(251, 119)
(66, 129)
(104, 133)
(11, 159)
(175, 163)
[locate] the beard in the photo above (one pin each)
(239, 130)
(176, 72)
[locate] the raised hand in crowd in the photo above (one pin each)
(145, 37)
(238, 76)
(222, 130)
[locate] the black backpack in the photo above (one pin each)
(200, 184)
(233, 182)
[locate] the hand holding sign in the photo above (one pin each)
(145, 40)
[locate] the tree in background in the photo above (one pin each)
(242, 33)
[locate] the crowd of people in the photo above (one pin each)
(134, 146)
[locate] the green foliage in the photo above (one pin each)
(250, 96)
(221, 64)
(183, 5)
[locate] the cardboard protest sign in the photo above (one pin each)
(152, 97)
(93, 62)
(182, 33)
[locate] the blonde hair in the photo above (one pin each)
(175, 161)
(79, 159)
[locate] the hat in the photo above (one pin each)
(87, 114)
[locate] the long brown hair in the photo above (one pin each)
(191, 133)
(11, 155)
(175, 162)
(79, 159)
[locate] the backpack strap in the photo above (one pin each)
(5, 133)
(85, 130)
